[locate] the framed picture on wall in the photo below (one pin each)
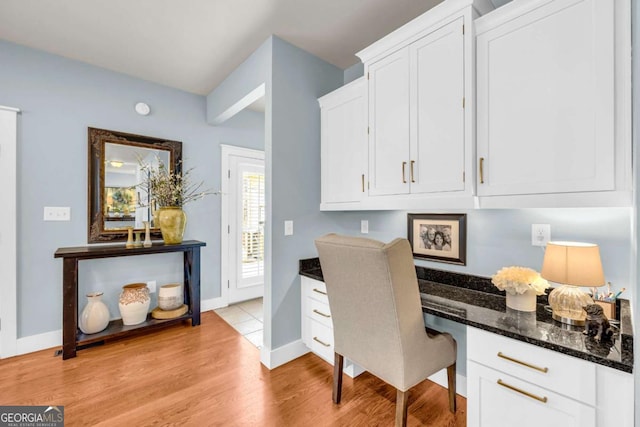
(439, 237)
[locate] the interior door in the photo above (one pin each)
(246, 228)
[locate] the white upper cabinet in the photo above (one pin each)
(552, 112)
(421, 99)
(344, 145)
(437, 141)
(416, 116)
(389, 124)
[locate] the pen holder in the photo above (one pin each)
(608, 307)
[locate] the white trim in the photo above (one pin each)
(243, 103)
(212, 304)
(4, 107)
(8, 232)
(226, 152)
(440, 378)
(281, 355)
(39, 342)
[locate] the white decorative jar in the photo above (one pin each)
(522, 302)
(95, 315)
(134, 303)
(170, 296)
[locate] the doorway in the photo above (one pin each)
(243, 223)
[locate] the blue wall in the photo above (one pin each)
(59, 99)
(293, 175)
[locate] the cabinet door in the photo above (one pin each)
(389, 124)
(495, 399)
(344, 144)
(545, 87)
(437, 110)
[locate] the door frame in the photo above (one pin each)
(226, 152)
(8, 231)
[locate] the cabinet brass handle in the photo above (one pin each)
(413, 162)
(481, 170)
(321, 313)
(363, 183)
(319, 291)
(520, 362)
(404, 165)
(324, 343)
(526, 393)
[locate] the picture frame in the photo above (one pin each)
(438, 237)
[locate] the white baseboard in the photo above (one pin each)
(440, 378)
(39, 342)
(281, 355)
(212, 304)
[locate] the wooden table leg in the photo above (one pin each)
(69, 307)
(192, 282)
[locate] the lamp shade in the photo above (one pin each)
(573, 263)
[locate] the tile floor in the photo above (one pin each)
(246, 318)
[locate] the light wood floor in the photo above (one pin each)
(207, 376)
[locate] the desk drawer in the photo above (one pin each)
(320, 312)
(322, 341)
(318, 291)
(569, 376)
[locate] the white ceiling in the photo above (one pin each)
(194, 44)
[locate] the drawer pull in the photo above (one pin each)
(526, 393)
(321, 313)
(319, 291)
(328, 345)
(413, 162)
(520, 362)
(404, 165)
(481, 170)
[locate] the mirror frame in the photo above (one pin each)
(97, 139)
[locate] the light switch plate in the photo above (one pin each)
(288, 228)
(52, 213)
(364, 226)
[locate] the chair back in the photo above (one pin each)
(375, 305)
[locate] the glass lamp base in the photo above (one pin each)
(567, 302)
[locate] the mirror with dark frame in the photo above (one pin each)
(117, 200)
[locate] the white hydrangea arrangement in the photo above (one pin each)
(518, 280)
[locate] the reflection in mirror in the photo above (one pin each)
(125, 202)
(117, 201)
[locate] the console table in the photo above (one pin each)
(73, 339)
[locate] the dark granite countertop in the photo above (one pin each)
(474, 301)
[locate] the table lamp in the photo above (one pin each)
(571, 264)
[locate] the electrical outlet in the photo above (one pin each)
(57, 213)
(540, 234)
(288, 228)
(364, 226)
(151, 284)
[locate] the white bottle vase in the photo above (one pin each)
(134, 303)
(95, 315)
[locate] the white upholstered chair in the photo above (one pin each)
(377, 316)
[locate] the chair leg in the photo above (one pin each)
(402, 398)
(338, 362)
(451, 377)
